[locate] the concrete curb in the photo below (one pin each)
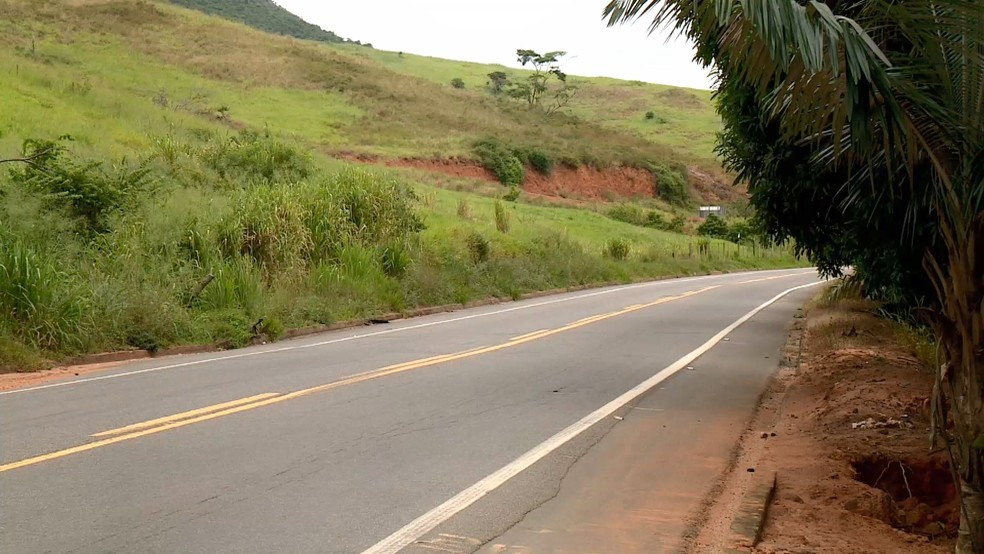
(131, 355)
(749, 522)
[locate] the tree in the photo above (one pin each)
(546, 67)
(877, 108)
(714, 227)
(497, 82)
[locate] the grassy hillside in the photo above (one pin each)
(683, 120)
(264, 15)
(333, 99)
(194, 147)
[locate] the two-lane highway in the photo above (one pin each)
(348, 441)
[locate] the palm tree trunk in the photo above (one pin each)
(960, 328)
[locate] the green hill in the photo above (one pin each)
(187, 176)
(264, 15)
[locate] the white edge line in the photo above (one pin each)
(427, 522)
(374, 334)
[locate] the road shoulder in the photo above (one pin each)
(846, 434)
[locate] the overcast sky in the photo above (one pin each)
(490, 31)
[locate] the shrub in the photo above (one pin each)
(500, 161)
(628, 213)
(464, 210)
(742, 232)
(501, 218)
(512, 195)
(272, 327)
(540, 161)
(677, 224)
(651, 116)
(656, 220)
(714, 227)
(616, 249)
(90, 191)
(671, 184)
(458, 83)
(479, 247)
(251, 157)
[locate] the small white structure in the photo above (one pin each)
(708, 210)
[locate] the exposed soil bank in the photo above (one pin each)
(584, 183)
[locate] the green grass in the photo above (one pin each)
(685, 120)
(232, 127)
(342, 98)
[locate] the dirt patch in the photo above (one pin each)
(10, 381)
(921, 495)
(851, 449)
(714, 189)
(582, 183)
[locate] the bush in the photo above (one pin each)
(671, 184)
(742, 232)
(458, 83)
(677, 224)
(90, 191)
(500, 161)
(628, 213)
(512, 195)
(479, 247)
(650, 115)
(272, 327)
(616, 249)
(501, 218)
(714, 227)
(656, 220)
(540, 161)
(251, 157)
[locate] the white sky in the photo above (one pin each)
(490, 31)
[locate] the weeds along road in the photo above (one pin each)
(370, 439)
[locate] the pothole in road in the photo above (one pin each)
(917, 496)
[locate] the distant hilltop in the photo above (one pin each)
(265, 15)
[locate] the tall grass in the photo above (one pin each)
(156, 192)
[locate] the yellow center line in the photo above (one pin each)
(593, 318)
(186, 415)
(528, 335)
(174, 423)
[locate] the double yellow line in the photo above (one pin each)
(207, 413)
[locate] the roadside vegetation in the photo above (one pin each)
(151, 198)
(226, 237)
(858, 126)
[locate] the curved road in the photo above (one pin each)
(380, 438)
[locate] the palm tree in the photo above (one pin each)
(895, 87)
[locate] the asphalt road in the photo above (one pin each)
(349, 441)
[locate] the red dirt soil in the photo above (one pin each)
(854, 369)
(584, 182)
